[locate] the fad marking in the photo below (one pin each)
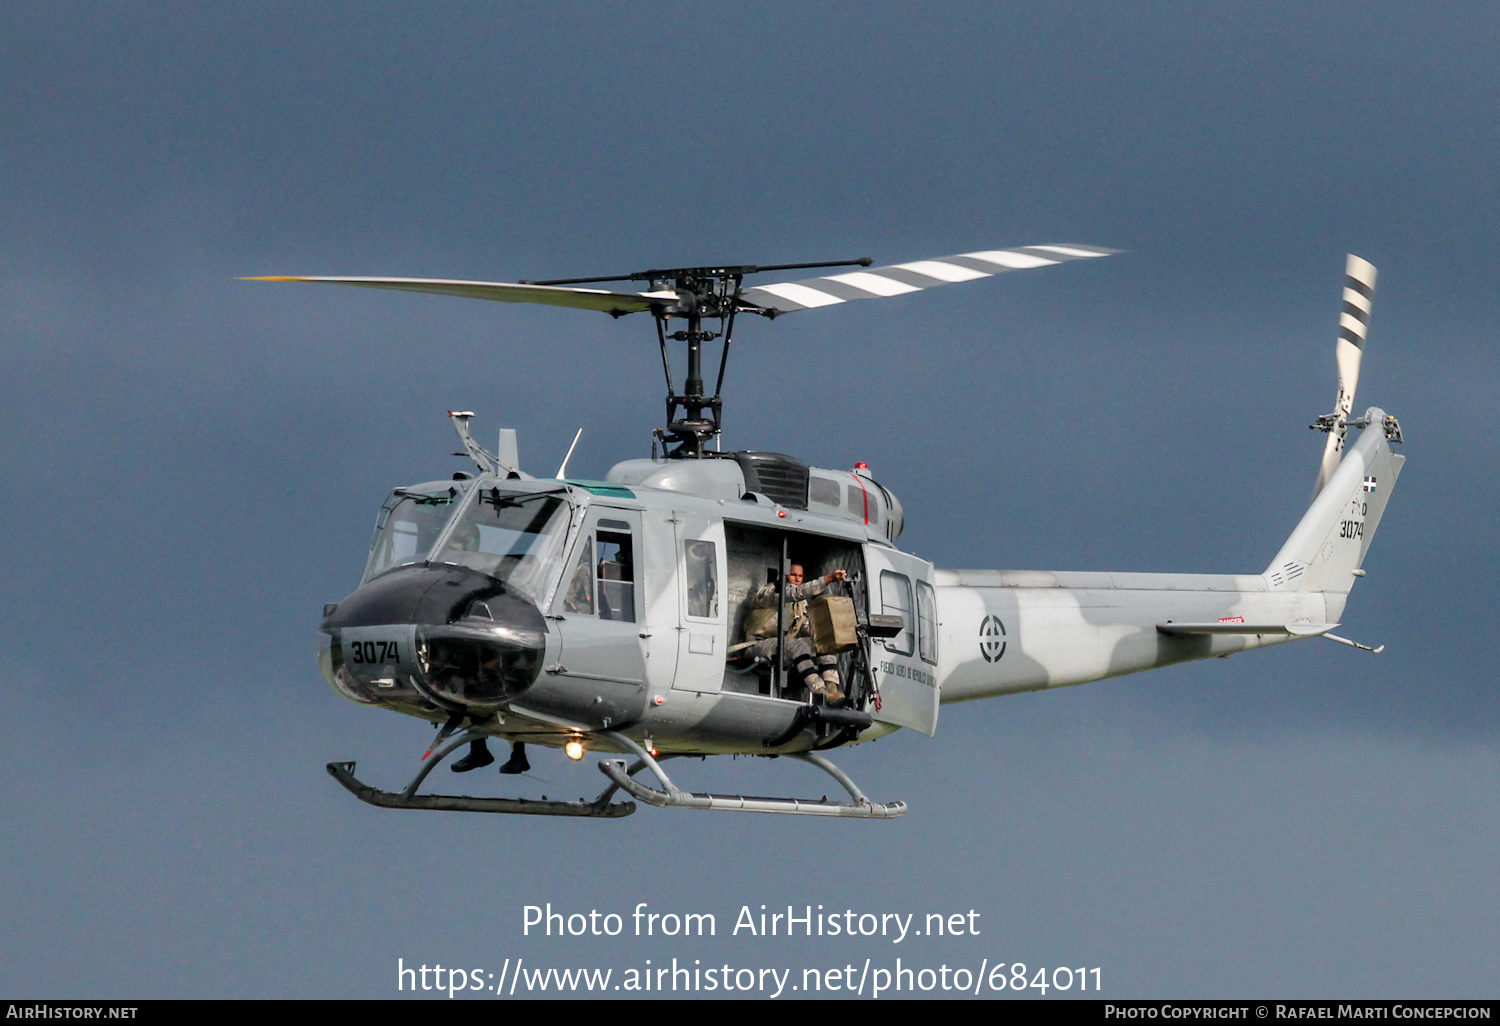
(992, 642)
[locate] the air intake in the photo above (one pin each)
(779, 478)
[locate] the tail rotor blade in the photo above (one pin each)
(1354, 322)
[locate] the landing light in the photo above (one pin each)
(574, 750)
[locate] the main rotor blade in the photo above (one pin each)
(899, 279)
(615, 303)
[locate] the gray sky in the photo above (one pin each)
(196, 462)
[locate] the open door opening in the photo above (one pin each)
(758, 559)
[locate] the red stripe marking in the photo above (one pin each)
(864, 494)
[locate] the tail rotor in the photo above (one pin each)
(1354, 322)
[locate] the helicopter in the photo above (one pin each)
(661, 612)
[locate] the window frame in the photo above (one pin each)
(715, 612)
(600, 581)
(927, 639)
(907, 614)
(583, 549)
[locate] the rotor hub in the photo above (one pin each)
(696, 294)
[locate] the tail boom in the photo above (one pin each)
(1008, 631)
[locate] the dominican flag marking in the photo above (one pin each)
(1369, 484)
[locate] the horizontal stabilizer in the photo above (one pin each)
(1297, 630)
(615, 303)
(900, 279)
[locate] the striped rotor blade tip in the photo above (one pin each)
(1359, 293)
(914, 276)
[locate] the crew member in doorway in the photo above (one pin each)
(819, 672)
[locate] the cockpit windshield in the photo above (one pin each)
(409, 525)
(517, 538)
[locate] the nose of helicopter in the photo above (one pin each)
(422, 637)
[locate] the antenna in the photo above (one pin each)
(562, 470)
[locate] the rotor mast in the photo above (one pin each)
(697, 294)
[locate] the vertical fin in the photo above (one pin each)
(1329, 545)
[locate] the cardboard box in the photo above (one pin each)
(833, 624)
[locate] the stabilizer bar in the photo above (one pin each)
(343, 772)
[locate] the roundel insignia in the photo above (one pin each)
(992, 639)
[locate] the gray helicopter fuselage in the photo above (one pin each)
(628, 626)
(551, 611)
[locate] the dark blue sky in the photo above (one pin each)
(194, 462)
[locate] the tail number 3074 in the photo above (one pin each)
(373, 652)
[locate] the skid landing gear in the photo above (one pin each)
(673, 797)
(669, 796)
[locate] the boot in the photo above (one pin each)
(479, 755)
(517, 762)
(832, 696)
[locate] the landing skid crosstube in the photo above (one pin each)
(668, 796)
